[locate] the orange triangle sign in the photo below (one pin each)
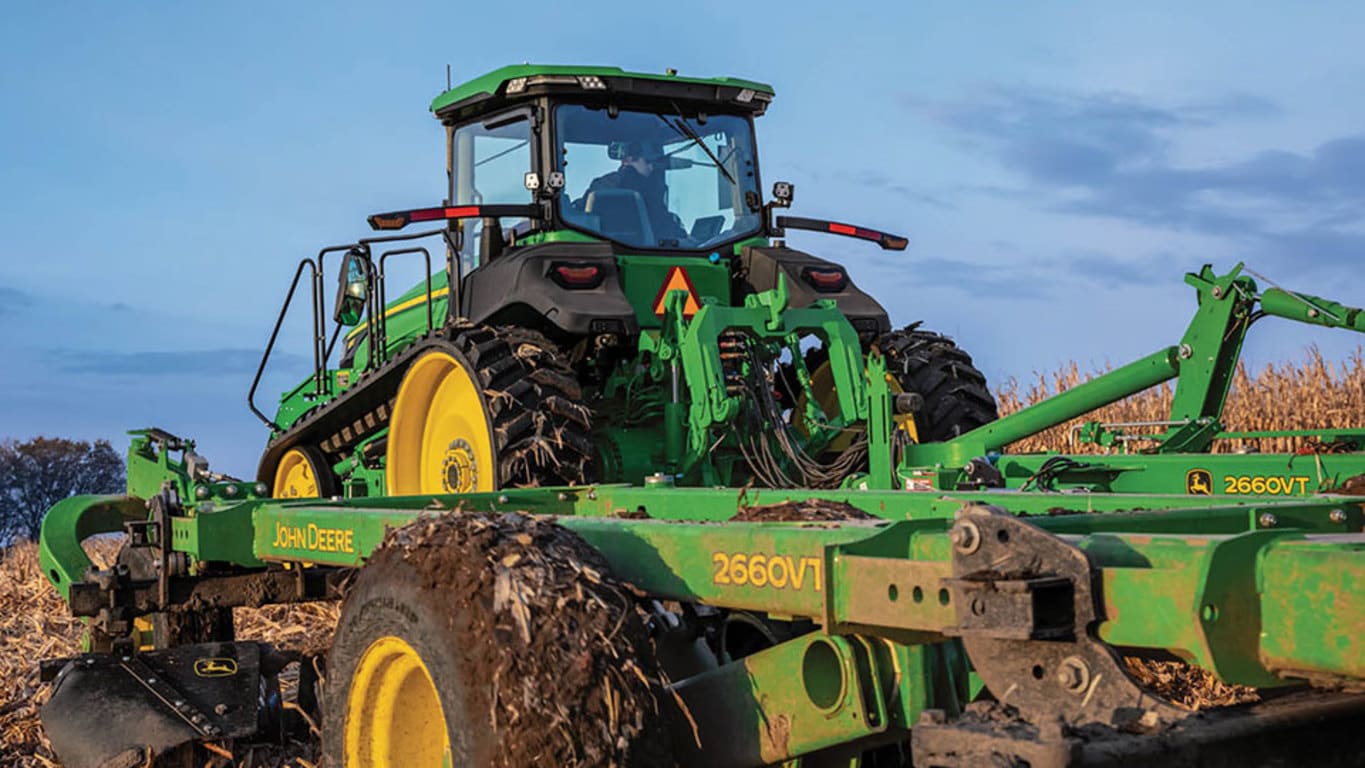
(677, 280)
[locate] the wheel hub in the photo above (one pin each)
(459, 469)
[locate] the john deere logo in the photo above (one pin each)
(215, 667)
(1198, 482)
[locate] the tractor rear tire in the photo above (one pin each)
(482, 640)
(956, 397)
(486, 408)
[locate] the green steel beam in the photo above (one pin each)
(1149, 371)
(74, 520)
(1201, 583)
(798, 697)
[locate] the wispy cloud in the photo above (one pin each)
(230, 362)
(1113, 155)
(13, 298)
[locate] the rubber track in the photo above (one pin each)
(541, 433)
(541, 430)
(956, 397)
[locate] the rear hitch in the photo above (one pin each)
(1027, 604)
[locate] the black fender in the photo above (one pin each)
(517, 288)
(758, 271)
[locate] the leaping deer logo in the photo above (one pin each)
(1198, 482)
(215, 667)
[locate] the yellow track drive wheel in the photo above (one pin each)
(303, 474)
(484, 409)
(440, 436)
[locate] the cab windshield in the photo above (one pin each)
(655, 179)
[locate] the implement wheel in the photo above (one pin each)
(303, 474)
(483, 409)
(483, 640)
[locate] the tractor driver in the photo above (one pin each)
(642, 171)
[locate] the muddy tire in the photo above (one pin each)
(478, 640)
(956, 397)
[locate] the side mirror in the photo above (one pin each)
(353, 288)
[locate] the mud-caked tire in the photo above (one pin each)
(956, 396)
(483, 640)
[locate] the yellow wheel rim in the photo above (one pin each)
(393, 713)
(295, 477)
(822, 386)
(439, 439)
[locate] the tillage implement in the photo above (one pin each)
(627, 480)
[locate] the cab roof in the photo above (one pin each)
(511, 83)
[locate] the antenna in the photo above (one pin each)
(447, 77)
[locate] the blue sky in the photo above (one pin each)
(1057, 166)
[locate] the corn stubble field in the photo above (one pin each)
(1313, 392)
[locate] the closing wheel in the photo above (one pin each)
(303, 474)
(440, 438)
(442, 659)
(484, 409)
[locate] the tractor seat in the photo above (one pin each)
(622, 215)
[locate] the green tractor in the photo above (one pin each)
(617, 302)
(487, 480)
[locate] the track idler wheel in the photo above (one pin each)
(485, 409)
(482, 640)
(303, 473)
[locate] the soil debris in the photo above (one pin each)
(1353, 486)
(564, 647)
(1187, 685)
(804, 510)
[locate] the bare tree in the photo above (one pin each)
(40, 472)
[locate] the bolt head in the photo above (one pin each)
(1073, 674)
(966, 537)
(1267, 520)
(502, 498)
(1337, 516)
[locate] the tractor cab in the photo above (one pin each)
(647, 163)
